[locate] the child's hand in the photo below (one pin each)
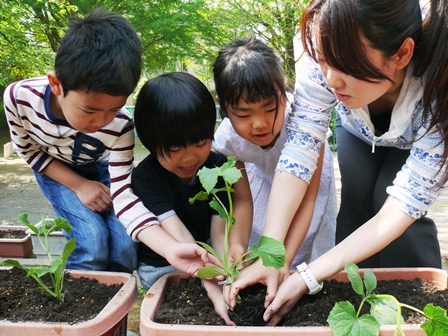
(252, 274)
(214, 292)
(235, 252)
(94, 195)
(189, 257)
(284, 272)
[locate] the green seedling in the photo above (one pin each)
(384, 309)
(271, 251)
(56, 269)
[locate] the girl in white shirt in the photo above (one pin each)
(250, 85)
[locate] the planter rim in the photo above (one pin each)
(4, 227)
(153, 298)
(115, 310)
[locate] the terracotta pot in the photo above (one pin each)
(15, 248)
(56, 242)
(155, 294)
(111, 321)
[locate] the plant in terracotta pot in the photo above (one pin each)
(69, 292)
(173, 305)
(385, 310)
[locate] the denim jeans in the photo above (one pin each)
(150, 274)
(102, 243)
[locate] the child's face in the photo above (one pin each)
(89, 112)
(185, 162)
(86, 112)
(256, 122)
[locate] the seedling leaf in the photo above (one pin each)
(355, 279)
(385, 311)
(231, 175)
(271, 251)
(369, 281)
(209, 177)
(438, 321)
(210, 272)
(343, 321)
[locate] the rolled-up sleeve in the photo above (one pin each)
(308, 122)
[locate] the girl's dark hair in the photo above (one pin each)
(248, 69)
(386, 24)
(174, 110)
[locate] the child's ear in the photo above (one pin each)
(55, 84)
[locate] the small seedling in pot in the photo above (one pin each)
(271, 251)
(56, 269)
(384, 309)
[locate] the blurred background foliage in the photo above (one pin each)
(175, 34)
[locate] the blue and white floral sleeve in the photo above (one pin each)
(414, 186)
(308, 122)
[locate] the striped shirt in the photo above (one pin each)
(39, 137)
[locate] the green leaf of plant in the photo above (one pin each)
(370, 281)
(343, 321)
(40, 271)
(62, 224)
(271, 251)
(438, 321)
(211, 250)
(354, 277)
(200, 196)
(214, 204)
(210, 272)
(385, 311)
(231, 160)
(12, 262)
(232, 175)
(24, 219)
(209, 177)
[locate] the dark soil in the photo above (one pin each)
(12, 234)
(188, 303)
(22, 299)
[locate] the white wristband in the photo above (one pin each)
(313, 286)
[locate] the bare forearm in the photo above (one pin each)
(369, 239)
(63, 175)
(286, 195)
(304, 215)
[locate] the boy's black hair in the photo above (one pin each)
(174, 109)
(247, 68)
(99, 53)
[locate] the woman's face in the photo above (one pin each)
(355, 93)
(256, 122)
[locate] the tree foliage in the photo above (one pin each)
(174, 33)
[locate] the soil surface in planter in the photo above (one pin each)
(22, 298)
(12, 234)
(187, 303)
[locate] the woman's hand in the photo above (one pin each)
(255, 273)
(290, 291)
